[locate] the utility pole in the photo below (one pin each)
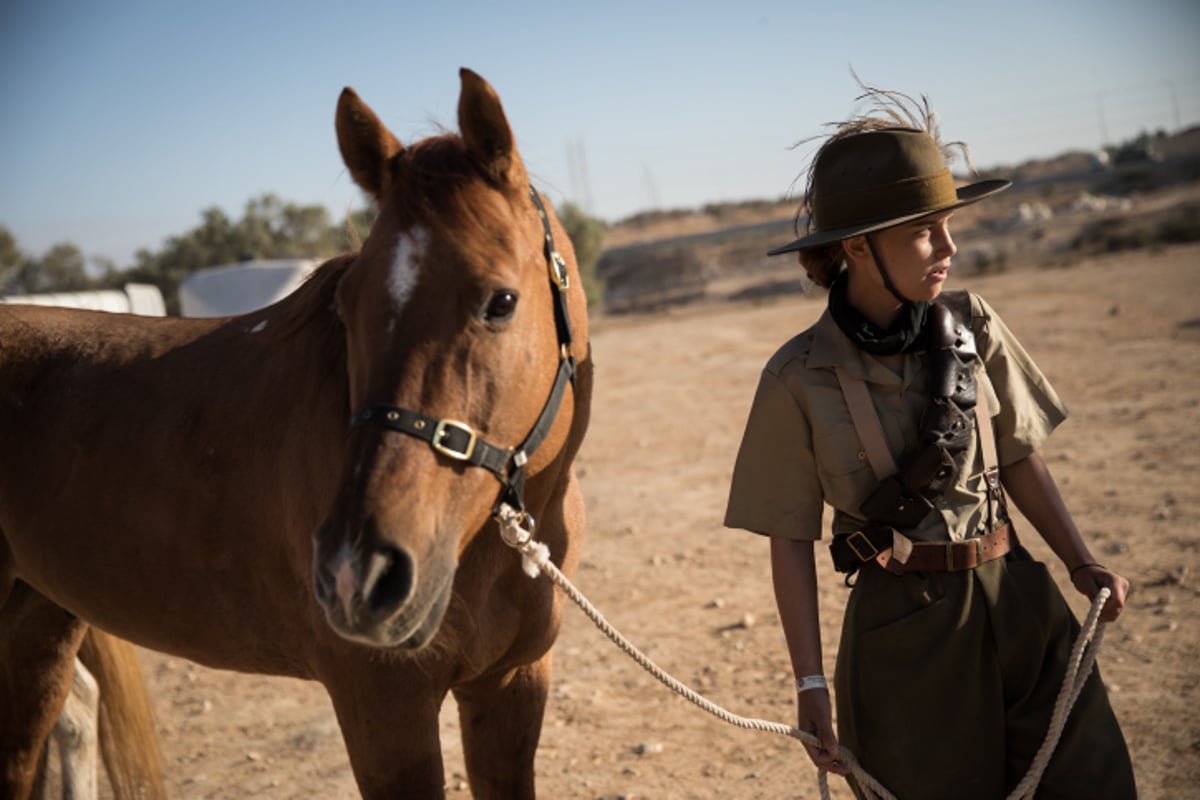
(585, 181)
(651, 188)
(1103, 123)
(1175, 105)
(581, 190)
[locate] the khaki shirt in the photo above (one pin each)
(800, 450)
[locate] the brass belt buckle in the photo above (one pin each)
(850, 541)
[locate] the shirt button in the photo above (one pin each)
(862, 455)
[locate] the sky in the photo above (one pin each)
(122, 121)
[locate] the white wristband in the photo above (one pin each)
(810, 682)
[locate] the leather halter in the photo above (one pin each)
(457, 440)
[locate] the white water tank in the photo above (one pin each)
(136, 298)
(233, 289)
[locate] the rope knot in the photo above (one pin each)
(534, 557)
(516, 529)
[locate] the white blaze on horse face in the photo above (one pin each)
(406, 262)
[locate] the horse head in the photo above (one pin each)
(454, 311)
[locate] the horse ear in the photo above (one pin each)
(367, 146)
(486, 132)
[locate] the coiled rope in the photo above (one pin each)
(535, 560)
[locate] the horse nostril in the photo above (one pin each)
(389, 581)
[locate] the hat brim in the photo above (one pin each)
(966, 195)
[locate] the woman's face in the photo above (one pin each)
(916, 256)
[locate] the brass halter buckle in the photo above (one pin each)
(439, 433)
(558, 271)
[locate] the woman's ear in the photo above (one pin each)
(857, 249)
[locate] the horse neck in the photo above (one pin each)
(284, 365)
(303, 332)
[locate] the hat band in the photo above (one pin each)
(926, 193)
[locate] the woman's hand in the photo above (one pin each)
(816, 717)
(1089, 579)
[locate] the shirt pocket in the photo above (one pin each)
(845, 473)
(839, 451)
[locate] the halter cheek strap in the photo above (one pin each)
(458, 441)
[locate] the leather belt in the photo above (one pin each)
(950, 556)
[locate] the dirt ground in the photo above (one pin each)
(1120, 339)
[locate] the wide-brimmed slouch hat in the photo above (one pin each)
(873, 180)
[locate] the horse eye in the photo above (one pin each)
(502, 306)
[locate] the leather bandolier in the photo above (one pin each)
(903, 499)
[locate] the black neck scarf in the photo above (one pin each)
(906, 334)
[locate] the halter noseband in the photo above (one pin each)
(458, 441)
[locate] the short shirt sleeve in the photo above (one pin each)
(775, 489)
(1030, 409)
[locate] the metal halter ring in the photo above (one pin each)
(516, 527)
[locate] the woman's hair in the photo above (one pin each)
(823, 263)
(883, 109)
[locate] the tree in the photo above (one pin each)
(587, 236)
(11, 257)
(63, 269)
(60, 269)
(269, 228)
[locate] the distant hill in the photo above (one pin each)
(1058, 207)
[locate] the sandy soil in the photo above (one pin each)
(1120, 339)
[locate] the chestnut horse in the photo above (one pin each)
(309, 489)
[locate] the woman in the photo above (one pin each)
(955, 641)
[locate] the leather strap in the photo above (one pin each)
(952, 556)
(866, 422)
(876, 544)
(987, 436)
(453, 439)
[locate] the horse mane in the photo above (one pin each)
(314, 297)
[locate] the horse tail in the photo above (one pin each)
(128, 737)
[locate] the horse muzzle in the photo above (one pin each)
(378, 596)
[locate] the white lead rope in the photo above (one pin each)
(535, 559)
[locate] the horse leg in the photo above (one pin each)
(389, 722)
(38, 642)
(501, 722)
(77, 734)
